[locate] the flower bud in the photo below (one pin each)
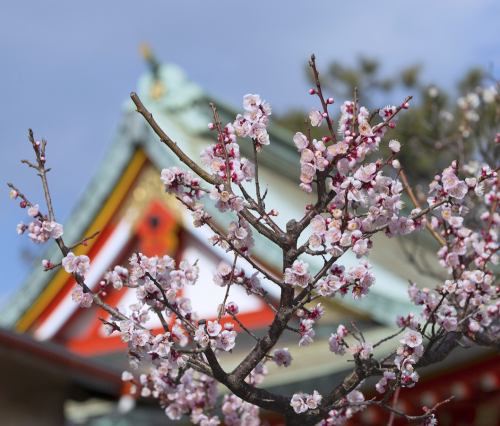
(330, 101)
(102, 283)
(312, 91)
(396, 164)
(23, 204)
(437, 178)
(211, 126)
(405, 105)
(42, 159)
(85, 243)
(326, 139)
(325, 115)
(104, 294)
(37, 143)
(392, 125)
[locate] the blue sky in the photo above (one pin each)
(66, 68)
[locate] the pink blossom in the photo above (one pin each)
(282, 357)
(300, 141)
(342, 331)
(307, 337)
(68, 262)
(20, 228)
(299, 405)
(86, 301)
(213, 328)
(313, 400)
(173, 411)
(318, 225)
(394, 146)
(316, 117)
(81, 264)
(225, 340)
(232, 307)
(33, 211)
(387, 112)
(250, 102)
(411, 338)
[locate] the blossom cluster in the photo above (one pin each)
(359, 277)
(222, 277)
(307, 320)
(40, 230)
(302, 401)
(337, 417)
(254, 121)
(76, 264)
(183, 183)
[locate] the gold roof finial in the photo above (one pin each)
(157, 89)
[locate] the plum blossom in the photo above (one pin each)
(282, 357)
(33, 211)
(411, 338)
(316, 117)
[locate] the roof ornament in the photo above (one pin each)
(157, 89)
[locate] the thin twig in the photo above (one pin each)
(223, 306)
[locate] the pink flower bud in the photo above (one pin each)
(37, 143)
(46, 263)
(211, 126)
(312, 91)
(405, 105)
(102, 283)
(392, 125)
(347, 133)
(325, 115)
(353, 134)
(232, 308)
(330, 101)
(437, 178)
(85, 243)
(104, 294)
(23, 204)
(42, 159)
(331, 121)
(326, 139)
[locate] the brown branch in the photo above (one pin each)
(415, 202)
(243, 327)
(84, 240)
(213, 179)
(223, 143)
(247, 258)
(312, 64)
